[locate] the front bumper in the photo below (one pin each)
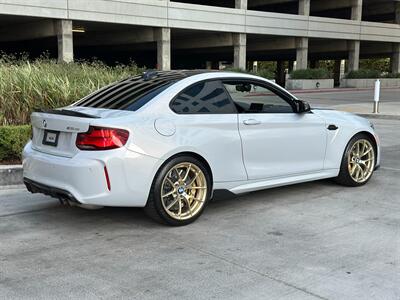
(82, 177)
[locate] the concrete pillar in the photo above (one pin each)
(356, 10)
(239, 50)
(336, 71)
(304, 7)
(65, 41)
(397, 12)
(354, 55)
(163, 36)
(209, 65)
(395, 59)
(301, 53)
(342, 68)
(291, 66)
(280, 73)
(241, 4)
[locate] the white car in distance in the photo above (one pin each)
(166, 141)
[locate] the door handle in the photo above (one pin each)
(251, 122)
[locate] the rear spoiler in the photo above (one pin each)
(66, 112)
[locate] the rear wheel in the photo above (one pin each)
(180, 192)
(358, 162)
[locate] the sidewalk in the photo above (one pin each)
(358, 101)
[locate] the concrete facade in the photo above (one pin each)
(236, 31)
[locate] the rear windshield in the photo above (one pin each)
(134, 92)
(129, 94)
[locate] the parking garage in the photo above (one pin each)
(295, 34)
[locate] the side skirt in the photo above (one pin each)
(240, 187)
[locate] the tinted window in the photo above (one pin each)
(250, 97)
(207, 97)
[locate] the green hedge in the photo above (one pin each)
(370, 74)
(43, 83)
(363, 74)
(311, 74)
(12, 141)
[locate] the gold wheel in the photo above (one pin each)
(361, 161)
(184, 191)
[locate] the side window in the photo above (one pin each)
(207, 97)
(252, 97)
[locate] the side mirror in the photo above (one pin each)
(303, 106)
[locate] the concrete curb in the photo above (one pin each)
(10, 175)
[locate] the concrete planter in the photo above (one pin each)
(369, 83)
(10, 174)
(309, 84)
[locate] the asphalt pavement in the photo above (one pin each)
(308, 241)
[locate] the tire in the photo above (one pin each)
(357, 169)
(178, 196)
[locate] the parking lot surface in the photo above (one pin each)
(309, 241)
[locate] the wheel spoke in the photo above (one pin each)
(366, 152)
(187, 172)
(188, 204)
(353, 170)
(198, 200)
(193, 180)
(170, 182)
(168, 194)
(180, 207)
(176, 199)
(197, 188)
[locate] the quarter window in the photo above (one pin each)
(250, 97)
(207, 97)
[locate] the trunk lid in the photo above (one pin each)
(55, 131)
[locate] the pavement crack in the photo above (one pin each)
(288, 284)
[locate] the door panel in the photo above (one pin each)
(282, 144)
(276, 140)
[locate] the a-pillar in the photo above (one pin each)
(65, 41)
(239, 50)
(301, 53)
(163, 36)
(304, 7)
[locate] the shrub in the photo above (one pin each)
(311, 74)
(392, 75)
(363, 74)
(266, 74)
(43, 83)
(12, 141)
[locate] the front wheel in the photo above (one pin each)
(358, 162)
(180, 192)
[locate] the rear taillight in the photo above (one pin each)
(102, 138)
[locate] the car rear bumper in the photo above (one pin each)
(83, 179)
(36, 187)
